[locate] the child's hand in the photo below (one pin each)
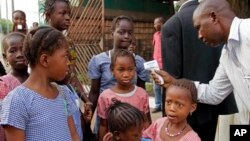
(88, 113)
(168, 79)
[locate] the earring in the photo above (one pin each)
(190, 113)
(7, 64)
(117, 138)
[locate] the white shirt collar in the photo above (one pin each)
(234, 30)
(184, 4)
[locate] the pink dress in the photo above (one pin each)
(137, 98)
(7, 83)
(154, 130)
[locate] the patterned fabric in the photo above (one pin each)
(77, 114)
(99, 68)
(7, 83)
(154, 130)
(41, 118)
(138, 98)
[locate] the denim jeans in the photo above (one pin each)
(158, 95)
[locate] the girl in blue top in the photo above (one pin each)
(37, 109)
(122, 30)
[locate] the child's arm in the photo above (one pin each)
(147, 119)
(140, 83)
(72, 129)
(14, 134)
(94, 92)
(103, 129)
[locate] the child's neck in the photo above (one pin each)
(40, 83)
(21, 75)
(122, 89)
(175, 129)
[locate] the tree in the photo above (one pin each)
(5, 26)
(241, 7)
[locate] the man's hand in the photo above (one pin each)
(168, 79)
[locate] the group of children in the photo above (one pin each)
(43, 105)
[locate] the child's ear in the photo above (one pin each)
(193, 108)
(116, 135)
(44, 60)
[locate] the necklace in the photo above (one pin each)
(176, 134)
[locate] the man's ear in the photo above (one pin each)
(213, 16)
(44, 60)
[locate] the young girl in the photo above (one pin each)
(57, 15)
(181, 100)
(37, 109)
(125, 122)
(99, 66)
(123, 69)
(13, 56)
(19, 21)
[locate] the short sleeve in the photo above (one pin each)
(141, 72)
(150, 132)
(94, 69)
(145, 102)
(71, 107)
(102, 107)
(3, 90)
(14, 111)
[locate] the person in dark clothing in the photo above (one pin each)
(185, 56)
(2, 70)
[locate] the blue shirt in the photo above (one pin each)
(99, 68)
(41, 118)
(77, 114)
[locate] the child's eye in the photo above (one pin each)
(121, 32)
(12, 50)
(179, 105)
(168, 102)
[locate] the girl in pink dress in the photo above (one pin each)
(181, 100)
(13, 56)
(123, 68)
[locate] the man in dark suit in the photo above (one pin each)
(185, 56)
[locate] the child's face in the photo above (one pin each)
(132, 47)
(132, 134)
(124, 70)
(58, 63)
(123, 34)
(14, 54)
(178, 104)
(59, 18)
(19, 20)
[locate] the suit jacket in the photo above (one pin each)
(185, 56)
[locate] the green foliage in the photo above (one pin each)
(5, 26)
(149, 88)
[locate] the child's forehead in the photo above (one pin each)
(14, 39)
(19, 14)
(178, 89)
(122, 23)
